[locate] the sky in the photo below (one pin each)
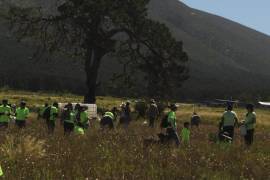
(252, 13)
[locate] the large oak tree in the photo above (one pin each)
(93, 29)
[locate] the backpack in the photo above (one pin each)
(164, 121)
(47, 113)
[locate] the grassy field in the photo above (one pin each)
(120, 154)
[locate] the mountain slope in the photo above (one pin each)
(226, 58)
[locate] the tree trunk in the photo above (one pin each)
(92, 64)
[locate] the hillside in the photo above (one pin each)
(226, 58)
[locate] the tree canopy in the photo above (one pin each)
(95, 29)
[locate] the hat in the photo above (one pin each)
(173, 106)
(23, 103)
(250, 106)
(152, 101)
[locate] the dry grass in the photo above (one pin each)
(120, 154)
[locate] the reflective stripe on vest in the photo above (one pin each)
(109, 114)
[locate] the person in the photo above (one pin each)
(125, 114)
(13, 109)
(79, 130)
(68, 117)
(1, 172)
(107, 120)
(250, 122)
(82, 118)
(140, 108)
(185, 133)
(122, 113)
(21, 115)
(171, 128)
(41, 111)
(115, 113)
(5, 112)
(152, 113)
(77, 109)
(195, 120)
(51, 119)
(228, 121)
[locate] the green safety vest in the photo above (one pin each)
(53, 111)
(83, 117)
(5, 110)
(71, 118)
(250, 121)
(172, 119)
(42, 110)
(1, 172)
(229, 118)
(22, 114)
(110, 115)
(79, 130)
(185, 135)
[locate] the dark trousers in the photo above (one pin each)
(51, 126)
(68, 127)
(3, 124)
(229, 130)
(152, 122)
(172, 134)
(20, 123)
(106, 122)
(249, 137)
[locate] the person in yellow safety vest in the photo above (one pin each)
(5, 112)
(21, 115)
(172, 126)
(185, 134)
(108, 119)
(42, 110)
(250, 122)
(229, 121)
(78, 130)
(52, 112)
(1, 172)
(82, 117)
(69, 119)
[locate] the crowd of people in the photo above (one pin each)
(76, 119)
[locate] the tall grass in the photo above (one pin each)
(119, 154)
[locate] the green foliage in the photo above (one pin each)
(94, 29)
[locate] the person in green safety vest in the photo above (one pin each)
(108, 119)
(52, 112)
(21, 115)
(185, 134)
(68, 118)
(1, 172)
(41, 111)
(5, 112)
(172, 126)
(250, 122)
(228, 122)
(82, 117)
(79, 130)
